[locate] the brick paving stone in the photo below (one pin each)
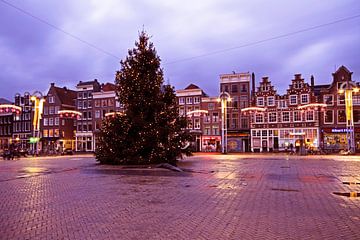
(222, 197)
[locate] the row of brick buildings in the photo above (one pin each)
(307, 114)
(70, 119)
(313, 115)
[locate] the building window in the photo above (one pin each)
(56, 133)
(244, 122)
(57, 108)
(329, 116)
(243, 88)
(46, 121)
(341, 99)
(297, 116)
(309, 115)
(45, 133)
(79, 95)
(197, 123)
(97, 114)
(51, 99)
(272, 117)
(271, 101)
(189, 100)
(104, 103)
(51, 121)
(97, 103)
(234, 88)
(181, 101)
(63, 122)
(215, 117)
(259, 118)
(79, 104)
(196, 99)
(286, 116)
(110, 102)
(57, 121)
(51, 110)
(46, 111)
(260, 101)
(282, 104)
(234, 120)
(211, 106)
(51, 133)
(328, 99)
(341, 116)
(207, 131)
(293, 100)
(89, 104)
(304, 98)
(356, 116)
(215, 130)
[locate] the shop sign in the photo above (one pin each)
(339, 130)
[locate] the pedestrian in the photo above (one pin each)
(291, 147)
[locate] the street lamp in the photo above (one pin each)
(349, 87)
(224, 97)
(38, 100)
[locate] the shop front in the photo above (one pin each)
(211, 143)
(335, 140)
(284, 139)
(238, 141)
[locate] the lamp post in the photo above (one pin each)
(349, 87)
(38, 100)
(224, 97)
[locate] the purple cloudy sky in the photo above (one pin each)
(34, 54)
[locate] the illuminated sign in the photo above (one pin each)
(340, 130)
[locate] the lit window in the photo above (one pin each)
(328, 99)
(341, 116)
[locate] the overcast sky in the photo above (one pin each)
(33, 54)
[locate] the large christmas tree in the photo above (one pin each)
(150, 130)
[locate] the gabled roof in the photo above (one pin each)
(342, 68)
(4, 101)
(66, 96)
(107, 87)
(192, 86)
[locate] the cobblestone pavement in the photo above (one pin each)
(217, 197)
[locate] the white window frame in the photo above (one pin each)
(181, 101)
(197, 123)
(282, 117)
(332, 122)
(306, 116)
(300, 113)
(258, 101)
(273, 101)
(290, 97)
(256, 118)
(338, 99)
(307, 98)
(51, 122)
(270, 118)
(51, 99)
(57, 121)
(189, 100)
(196, 100)
(324, 99)
(46, 121)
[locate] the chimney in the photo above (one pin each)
(312, 81)
(253, 83)
(52, 84)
